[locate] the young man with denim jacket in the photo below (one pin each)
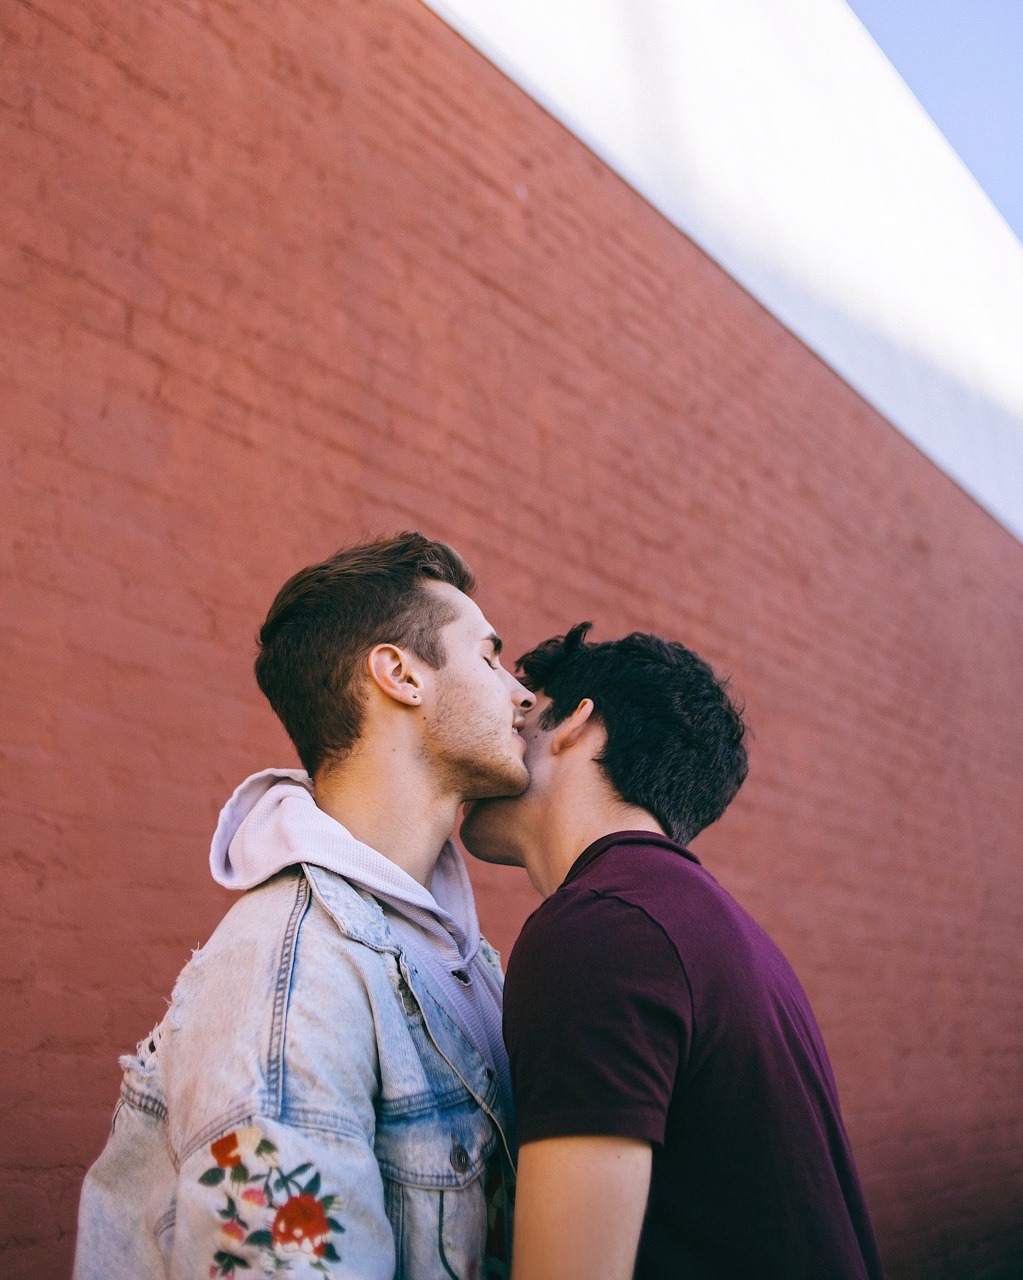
(328, 1091)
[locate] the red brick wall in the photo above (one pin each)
(278, 274)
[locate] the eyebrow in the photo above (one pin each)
(496, 642)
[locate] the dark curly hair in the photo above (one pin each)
(674, 737)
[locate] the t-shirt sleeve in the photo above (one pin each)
(597, 1020)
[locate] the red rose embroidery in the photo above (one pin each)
(226, 1151)
(301, 1224)
(256, 1227)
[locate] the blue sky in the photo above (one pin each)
(963, 60)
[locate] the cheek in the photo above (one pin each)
(535, 763)
(470, 707)
(491, 701)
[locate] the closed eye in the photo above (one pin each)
(493, 659)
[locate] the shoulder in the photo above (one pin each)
(670, 886)
(731, 963)
(646, 869)
(583, 945)
(276, 935)
(624, 894)
(598, 1011)
(256, 1014)
(592, 919)
(305, 927)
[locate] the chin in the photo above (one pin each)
(487, 831)
(503, 781)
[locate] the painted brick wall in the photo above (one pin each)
(279, 274)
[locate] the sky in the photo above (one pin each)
(963, 60)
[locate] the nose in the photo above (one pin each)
(523, 699)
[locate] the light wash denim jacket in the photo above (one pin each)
(306, 1107)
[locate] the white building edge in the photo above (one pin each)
(776, 134)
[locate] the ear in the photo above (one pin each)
(391, 669)
(570, 731)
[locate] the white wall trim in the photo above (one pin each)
(777, 135)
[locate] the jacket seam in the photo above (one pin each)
(146, 1102)
(385, 943)
(313, 1120)
(275, 1065)
(165, 1221)
(406, 1108)
(238, 1117)
(437, 1181)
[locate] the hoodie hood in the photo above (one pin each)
(272, 822)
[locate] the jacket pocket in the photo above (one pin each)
(433, 1162)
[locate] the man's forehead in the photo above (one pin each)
(467, 611)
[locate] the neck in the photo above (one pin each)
(571, 830)
(390, 800)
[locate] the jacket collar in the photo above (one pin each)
(360, 917)
(356, 912)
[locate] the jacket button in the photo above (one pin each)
(459, 1158)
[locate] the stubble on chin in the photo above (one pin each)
(497, 780)
(479, 760)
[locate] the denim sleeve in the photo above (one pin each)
(289, 1184)
(265, 1195)
(244, 1145)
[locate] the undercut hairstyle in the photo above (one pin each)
(326, 619)
(674, 736)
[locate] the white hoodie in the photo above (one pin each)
(272, 822)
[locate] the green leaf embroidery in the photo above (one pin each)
(261, 1239)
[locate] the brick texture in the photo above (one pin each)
(279, 274)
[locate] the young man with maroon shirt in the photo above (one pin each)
(677, 1113)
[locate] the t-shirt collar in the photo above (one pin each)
(593, 851)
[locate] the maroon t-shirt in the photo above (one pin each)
(642, 1001)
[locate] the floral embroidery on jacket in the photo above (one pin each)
(269, 1215)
